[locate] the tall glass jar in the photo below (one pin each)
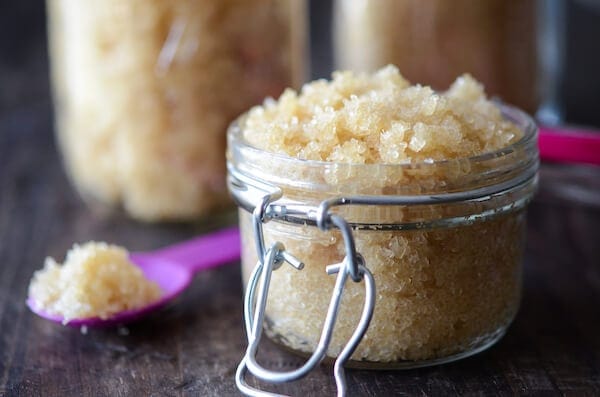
(443, 240)
(433, 41)
(144, 91)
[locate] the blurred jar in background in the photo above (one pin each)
(434, 41)
(144, 91)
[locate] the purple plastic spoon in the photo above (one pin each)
(172, 268)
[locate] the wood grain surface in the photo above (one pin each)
(192, 348)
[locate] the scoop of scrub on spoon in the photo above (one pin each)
(171, 268)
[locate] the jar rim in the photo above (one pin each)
(513, 114)
(503, 180)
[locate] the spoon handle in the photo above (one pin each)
(569, 145)
(206, 251)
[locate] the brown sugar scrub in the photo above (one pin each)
(447, 275)
(96, 280)
(434, 41)
(144, 91)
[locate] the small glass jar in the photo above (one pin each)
(443, 241)
(144, 92)
(433, 41)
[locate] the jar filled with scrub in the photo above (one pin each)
(434, 41)
(144, 92)
(368, 175)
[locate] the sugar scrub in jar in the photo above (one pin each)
(144, 92)
(425, 190)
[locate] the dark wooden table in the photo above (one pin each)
(193, 347)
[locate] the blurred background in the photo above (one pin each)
(536, 54)
(24, 61)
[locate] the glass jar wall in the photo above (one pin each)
(434, 41)
(144, 91)
(447, 275)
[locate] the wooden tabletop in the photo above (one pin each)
(193, 347)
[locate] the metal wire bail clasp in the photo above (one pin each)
(254, 313)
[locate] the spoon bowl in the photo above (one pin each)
(172, 268)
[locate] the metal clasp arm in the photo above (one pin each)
(262, 273)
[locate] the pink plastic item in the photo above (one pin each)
(172, 268)
(569, 145)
